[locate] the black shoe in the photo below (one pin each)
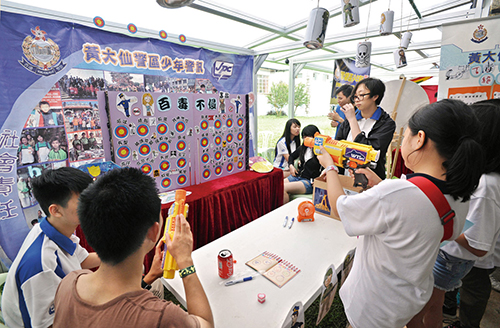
(450, 313)
(455, 324)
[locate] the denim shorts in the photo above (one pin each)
(307, 183)
(449, 270)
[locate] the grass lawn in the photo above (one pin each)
(276, 125)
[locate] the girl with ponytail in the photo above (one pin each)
(458, 258)
(398, 226)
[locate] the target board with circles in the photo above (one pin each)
(178, 139)
(221, 138)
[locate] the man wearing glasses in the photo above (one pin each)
(370, 125)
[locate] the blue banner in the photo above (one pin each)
(35, 53)
(346, 72)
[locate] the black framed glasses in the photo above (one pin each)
(360, 96)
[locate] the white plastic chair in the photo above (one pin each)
(264, 140)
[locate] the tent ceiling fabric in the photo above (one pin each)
(277, 27)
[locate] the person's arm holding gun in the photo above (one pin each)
(181, 247)
(156, 270)
(372, 177)
(334, 187)
(345, 154)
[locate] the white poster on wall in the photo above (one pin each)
(470, 60)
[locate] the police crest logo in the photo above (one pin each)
(479, 34)
(41, 54)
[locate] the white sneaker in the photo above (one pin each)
(495, 284)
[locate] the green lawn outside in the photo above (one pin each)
(276, 125)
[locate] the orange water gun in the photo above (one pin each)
(179, 206)
(346, 154)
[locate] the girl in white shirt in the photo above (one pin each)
(286, 145)
(399, 228)
(457, 258)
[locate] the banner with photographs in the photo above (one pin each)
(53, 73)
(346, 72)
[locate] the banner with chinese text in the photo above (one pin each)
(346, 72)
(50, 114)
(470, 58)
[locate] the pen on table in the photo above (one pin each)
(233, 282)
(291, 223)
(286, 220)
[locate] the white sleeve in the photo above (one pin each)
(482, 235)
(363, 214)
(39, 292)
(81, 253)
(282, 150)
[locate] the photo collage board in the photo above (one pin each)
(62, 130)
(180, 139)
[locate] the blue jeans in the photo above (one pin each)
(307, 183)
(449, 270)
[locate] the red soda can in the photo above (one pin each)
(225, 263)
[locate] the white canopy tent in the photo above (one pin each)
(273, 31)
(276, 28)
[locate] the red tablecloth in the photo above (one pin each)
(223, 205)
(220, 206)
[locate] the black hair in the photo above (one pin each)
(376, 87)
(308, 131)
(116, 212)
(58, 186)
(286, 135)
(488, 114)
(454, 129)
(202, 86)
(34, 221)
(43, 103)
(346, 90)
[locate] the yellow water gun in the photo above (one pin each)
(346, 154)
(179, 206)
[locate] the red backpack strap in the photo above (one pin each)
(446, 214)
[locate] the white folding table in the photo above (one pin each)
(310, 246)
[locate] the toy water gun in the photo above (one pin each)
(179, 206)
(346, 154)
